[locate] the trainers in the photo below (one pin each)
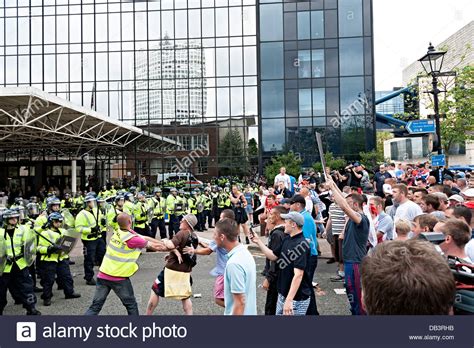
(331, 260)
(91, 282)
(337, 278)
(47, 302)
(33, 311)
(73, 295)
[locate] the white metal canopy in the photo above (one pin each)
(31, 119)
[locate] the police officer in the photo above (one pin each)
(129, 206)
(215, 210)
(67, 202)
(207, 202)
(53, 205)
(77, 203)
(16, 272)
(102, 241)
(199, 210)
(158, 204)
(140, 212)
(87, 223)
(175, 208)
(223, 201)
(53, 262)
(117, 208)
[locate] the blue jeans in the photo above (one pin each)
(123, 289)
(353, 287)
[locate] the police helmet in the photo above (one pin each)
(19, 200)
(156, 190)
(53, 201)
(55, 217)
(219, 189)
(140, 194)
(173, 189)
(181, 192)
(33, 199)
(90, 198)
(196, 191)
(10, 213)
(132, 189)
(119, 197)
(128, 196)
(101, 200)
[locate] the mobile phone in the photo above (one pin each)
(252, 234)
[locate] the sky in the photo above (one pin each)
(404, 28)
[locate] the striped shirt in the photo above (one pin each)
(338, 218)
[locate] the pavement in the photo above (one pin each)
(150, 263)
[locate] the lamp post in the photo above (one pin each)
(432, 62)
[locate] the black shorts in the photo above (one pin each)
(240, 215)
(158, 286)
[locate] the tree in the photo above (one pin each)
(289, 160)
(232, 156)
(252, 148)
(381, 137)
(335, 163)
(371, 159)
(457, 126)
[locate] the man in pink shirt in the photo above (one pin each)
(119, 265)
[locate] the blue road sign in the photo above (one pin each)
(421, 126)
(438, 160)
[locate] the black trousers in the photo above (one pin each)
(201, 221)
(312, 309)
(90, 254)
(101, 248)
(49, 270)
(21, 282)
(208, 216)
(272, 299)
(144, 231)
(158, 224)
(173, 227)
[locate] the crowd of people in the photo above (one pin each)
(379, 227)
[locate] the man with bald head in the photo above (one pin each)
(119, 264)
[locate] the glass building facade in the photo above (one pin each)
(199, 69)
(185, 68)
(316, 74)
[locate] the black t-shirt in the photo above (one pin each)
(294, 253)
(275, 240)
(355, 181)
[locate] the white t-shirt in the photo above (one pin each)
(408, 211)
(469, 249)
(285, 178)
(309, 204)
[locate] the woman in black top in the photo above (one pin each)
(238, 206)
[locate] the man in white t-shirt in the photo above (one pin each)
(406, 209)
(282, 177)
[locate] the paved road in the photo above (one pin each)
(151, 263)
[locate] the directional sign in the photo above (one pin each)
(438, 160)
(421, 126)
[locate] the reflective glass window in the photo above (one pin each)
(272, 99)
(271, 56)
(351, 56)
(271, 22)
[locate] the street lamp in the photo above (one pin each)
(432, 62)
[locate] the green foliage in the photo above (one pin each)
(232, 157)
(335, 163)
(458, 108)
(289, 160)
(371, 159)
(381, 137)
